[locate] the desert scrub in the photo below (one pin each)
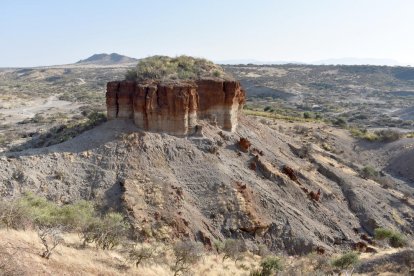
(187, 253)
(385, 136)
(61, 133)
(369, 172)
(394, 239)
(363, 134)
(82, 217)
(177, 68)
(270, 266)
(106, 232)
(346, 260)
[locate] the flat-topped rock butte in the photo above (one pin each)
(175, 108)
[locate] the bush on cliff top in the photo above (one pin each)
(178, 68)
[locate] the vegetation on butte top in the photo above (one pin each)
(164, 68)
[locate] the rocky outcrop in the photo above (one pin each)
(175, 108)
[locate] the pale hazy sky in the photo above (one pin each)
(45, 32)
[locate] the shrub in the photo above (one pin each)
(186, 254)
(382, 233)
(346, 260)
(369, 172)
(140, 253)
(388, 135)
(363, 134)
(216, 73)
(307, 115)
(106, 232)
(233, 249)
(270, 266)
(131, 74)
(397, 240)
(13, 215)
(394, 239)
(218, 246)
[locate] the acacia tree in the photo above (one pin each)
(187, 253)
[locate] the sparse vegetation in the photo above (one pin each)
(394, 239)
(106, 232)
(346, 260)
(141, 252)
(386, 136)
(33, 211)
(186, 253)
(270, 266)
(178, 68)
(233, 249)
(51, 238)
(369, 172)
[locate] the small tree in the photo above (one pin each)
(51, 238)
(186, 254)
(270, 266)
(140, 253)
(106, 232)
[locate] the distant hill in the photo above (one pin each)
(107, 59)
(357, 61)
(256, 62)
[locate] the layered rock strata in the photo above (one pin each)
(175, 108)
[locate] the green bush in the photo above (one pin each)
(307, 115)
(394, 239)
(397, 240)
(81, 216)
(363, 134)
(346, 260)
(46, 213)
(270, 266)
(382, 233)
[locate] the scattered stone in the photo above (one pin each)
(244, 144)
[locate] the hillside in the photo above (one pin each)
(212, 188)
(106, 59)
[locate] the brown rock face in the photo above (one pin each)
(175, 108)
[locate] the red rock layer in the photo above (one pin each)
(175, 108)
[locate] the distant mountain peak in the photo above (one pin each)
(107, 59)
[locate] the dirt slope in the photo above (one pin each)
(207, 188)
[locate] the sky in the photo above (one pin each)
(48, 32)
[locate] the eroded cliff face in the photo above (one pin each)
(175, 108)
